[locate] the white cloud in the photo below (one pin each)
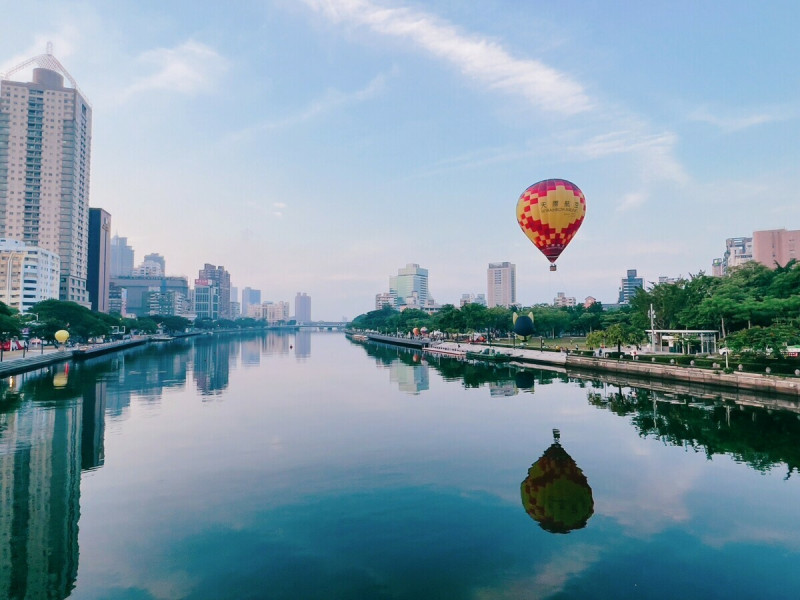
(631, 201)
(732, 122)
(189, 68)
(481, 59)
(331, 100)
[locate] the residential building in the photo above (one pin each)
(501, 283)
(629, 285)
(220, 279)
(776, 247)
(409, 286)
(27, 274)
(717, 268)
(562, 299)
(588, 301)
(302, 308)
(251, 297)
(383, 299)
(275, 312)
(168, 303)
(98, 273)
(45, 155)
(738, 251)
(121, 257)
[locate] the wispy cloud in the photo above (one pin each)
(631, 201)
(330, 101)
(479, 58)
(189, 68)
(730, 122)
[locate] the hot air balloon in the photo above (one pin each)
(550, 213)
(556, 493)
(415, 331)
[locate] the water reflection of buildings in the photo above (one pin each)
(40, 465)
(411, 379)
(302, 343)
(211, 366)
(251, 352)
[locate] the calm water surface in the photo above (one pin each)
(307, 466)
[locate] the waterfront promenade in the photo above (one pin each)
(642, 369)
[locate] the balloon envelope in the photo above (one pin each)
(550, 212)
(62, 335)
(556, 493)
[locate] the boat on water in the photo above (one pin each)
(490, 355)
(445, 351)
(161, 338)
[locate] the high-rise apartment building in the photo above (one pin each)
(302, 308)
(45, 155)
(121, 257)
(738, 251)
(98, 273)
(501, 282)
(27, 274)
(562, 299)
(776, 247)
(221, 279)
(409, 286)
(628, 286)
(206, 299)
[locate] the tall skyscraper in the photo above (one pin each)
(121, 257)
(221, 279)
(45, 153)
(628, 286)
(410, 286)
(302, 308)
(98, 273)
(501, 284)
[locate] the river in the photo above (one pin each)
(308, 466)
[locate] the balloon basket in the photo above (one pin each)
(553, 267)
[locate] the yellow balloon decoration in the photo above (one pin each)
(556, 493)
(62, 335)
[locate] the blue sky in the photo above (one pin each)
(318, 146)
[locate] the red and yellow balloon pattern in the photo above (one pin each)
(550, 213)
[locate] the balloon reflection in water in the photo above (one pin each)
(60, 379)
(556, 493)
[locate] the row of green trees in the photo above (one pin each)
(49, 316)
(548, 321)
(754, 308)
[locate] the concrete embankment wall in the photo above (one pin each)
(749, 382)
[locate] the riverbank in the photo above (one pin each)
(640, 369)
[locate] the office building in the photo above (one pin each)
(45, 154)
(409, 286)
(628, 286)
(138, 293)
(156, 259)
(251, 298)
(117, 300)
(221, 280)
(776, 247)
(27, 274)
(98, 273)
(206, 299)
(302, 308)
(121, 257)
(501, 282)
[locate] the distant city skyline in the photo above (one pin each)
(318, 145)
